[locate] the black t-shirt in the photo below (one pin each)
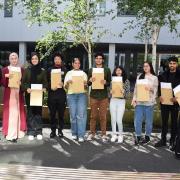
(171, 77)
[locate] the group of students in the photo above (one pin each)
(15, 116)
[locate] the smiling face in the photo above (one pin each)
(118, 72)
(173, 66)
(76, 64)
(34, 60)
(146, 68)
(99, 60)
(57, 60)
(13, 59)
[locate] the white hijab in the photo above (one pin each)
(13, 54)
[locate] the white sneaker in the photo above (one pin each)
(80, 139)
(31, 138)
(90, 137)
(74, 137)
(120, 139)
(104, 138)
(39, 137)
(114, 137)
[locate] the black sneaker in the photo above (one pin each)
(60, 133)
(146, 140)
(13, 140)
(160, 143)
(53, 134)
(172, 146)
(137, 140)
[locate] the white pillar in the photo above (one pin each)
(22, 52)
(112, 54)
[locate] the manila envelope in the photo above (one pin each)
(78, 84)
(36, 96)
(98, 74)
(166, 93)
(117, 87)
(142, 93)
(14, 81)
(177, 93)
(55, 78)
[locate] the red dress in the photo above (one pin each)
(14, 116)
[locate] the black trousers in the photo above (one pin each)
(173, 111)
(34, 120)
(57, 104)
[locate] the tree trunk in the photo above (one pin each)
(90, 54)
(155, 36)
(146, 50)
(88, 36)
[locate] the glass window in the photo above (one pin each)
(4, 58)
(124, 10)
(8, 8)
(163, 61)
(101, 8)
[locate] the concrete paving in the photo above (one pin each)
(95, 155)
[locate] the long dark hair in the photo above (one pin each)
(124, 75)
(142, 76)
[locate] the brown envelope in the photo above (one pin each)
(97, 83)
(36, 98)
(142, 93)
(167, 94)
(14, 81)
(177, 95)
(78, 84)
(55, 80)
(117, 87)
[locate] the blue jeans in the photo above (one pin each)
(143, 113)
(78, 113)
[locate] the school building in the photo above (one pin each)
(16, 35)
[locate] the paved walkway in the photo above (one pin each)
(22, 172)
(95, 155)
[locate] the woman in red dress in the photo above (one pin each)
(14, 117)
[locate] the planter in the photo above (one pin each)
(128, 119)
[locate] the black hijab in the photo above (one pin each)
(35, 71)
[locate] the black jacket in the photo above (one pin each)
(59, 92)
(165, 78)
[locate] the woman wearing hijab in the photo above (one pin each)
(14, 117)
(34, 74)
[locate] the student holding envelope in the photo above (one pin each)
(56, 95)
(76, 84)
(144, 98)
(117, 102)
(14, 117)
(99, 78)
(172, 75)
(34, 77)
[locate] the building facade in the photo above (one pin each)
(16, 35)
